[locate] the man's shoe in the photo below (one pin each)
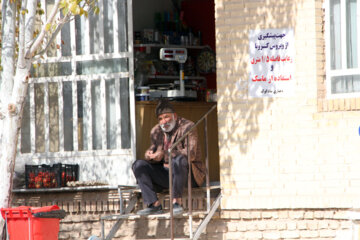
(151, 209)
(177, 209)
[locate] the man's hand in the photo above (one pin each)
(155, 156)
(148, 154)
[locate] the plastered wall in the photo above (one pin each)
(289, 152)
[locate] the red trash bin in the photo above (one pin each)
(23, 224)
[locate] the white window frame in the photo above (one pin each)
(73, 78)
(343, 71)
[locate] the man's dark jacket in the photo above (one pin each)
(157, 137)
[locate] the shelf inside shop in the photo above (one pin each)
(176, 77)
(170, 46)
(168, 86)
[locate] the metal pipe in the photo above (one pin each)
(189, 189)
(102, 229)
(170, 171)
(194, 126)
(121, 200)
(207, 168)
(171, 196)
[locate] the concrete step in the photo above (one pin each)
(166, 215)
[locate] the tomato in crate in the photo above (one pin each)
(35, 175)
(66, 173)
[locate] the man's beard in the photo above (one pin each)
(167, 127)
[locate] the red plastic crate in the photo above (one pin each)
(66, 173)
(46, 176)
(22, 225)
(41, 176)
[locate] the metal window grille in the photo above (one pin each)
(80, 95)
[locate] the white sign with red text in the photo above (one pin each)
(271, 63)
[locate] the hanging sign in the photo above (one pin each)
(271, 63)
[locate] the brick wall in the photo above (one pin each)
(84, 221)
(282, 152)
(286, 224)
(229, 225)
(85, 209)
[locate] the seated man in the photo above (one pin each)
(152, 174)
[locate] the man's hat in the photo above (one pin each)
(164, 106)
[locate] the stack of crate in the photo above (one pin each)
(46, 176)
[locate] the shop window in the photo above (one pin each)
(342, 49)
(79, 96)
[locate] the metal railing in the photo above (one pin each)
(186, 135)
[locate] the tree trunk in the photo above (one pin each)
(7, 58)
(15, 90)
(6, 86)
(12, 125)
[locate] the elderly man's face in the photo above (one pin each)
(167, 121)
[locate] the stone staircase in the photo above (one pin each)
(205, 202)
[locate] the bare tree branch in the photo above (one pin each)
(36, 44)
(53, 36)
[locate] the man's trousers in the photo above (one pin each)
(154, 177)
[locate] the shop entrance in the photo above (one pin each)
(177, 24)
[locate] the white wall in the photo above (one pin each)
(281, 152)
